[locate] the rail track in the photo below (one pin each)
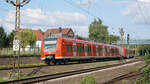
(59, 75)
(36, 66)
(125, 76)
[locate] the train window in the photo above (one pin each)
(83, 48)
(112, 50)
(89, 49)
(71, 48)
(100, 50)
(80, 49)
(94, 49)
(77, 48)
(68, 48)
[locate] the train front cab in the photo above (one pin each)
(51, 49)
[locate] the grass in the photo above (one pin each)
(2, 79)
(88, 80)
(22, 65)
(9, 51)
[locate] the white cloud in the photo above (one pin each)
(86, 2)
(146, 1)
(139, 12)
(37, 18)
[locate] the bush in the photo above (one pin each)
(88, 80)
(145, 79)
(147, 59)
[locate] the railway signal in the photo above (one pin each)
(18, 4)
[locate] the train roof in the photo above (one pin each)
(88, 42)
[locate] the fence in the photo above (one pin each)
(23, 51)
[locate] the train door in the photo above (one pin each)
(117, 51)
(86, 49)
(97, 53)
(77, 49)
(82, 50)
(100, 50)
(112, 51)
(74, 49)
(93, 50)
(105, 51)
(69, 49)
(89, 50)
(108, 50)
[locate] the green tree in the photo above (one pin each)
(10, 38)
(98, 32)
(113, 39)
(3, 37)
(27, 37)
(32, 39)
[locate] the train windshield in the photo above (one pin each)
(50, 44)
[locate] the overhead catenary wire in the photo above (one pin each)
(82, 9)
(141, 12)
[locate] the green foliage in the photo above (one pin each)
(32, 39)
(113, 38)
(10, 38)
(3, 37)
(88, 80)
(27, 38)
(145, 79)
(147, 59)
(144, 49)
(98, 32)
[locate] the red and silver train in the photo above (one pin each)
(62, 49)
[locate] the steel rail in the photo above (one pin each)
(59, 75)
(125, 76)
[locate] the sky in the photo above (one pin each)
(132, 15)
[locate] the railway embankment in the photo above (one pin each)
(101, 76)
(24, 59)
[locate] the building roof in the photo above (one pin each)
(38, 33)
(56, 31)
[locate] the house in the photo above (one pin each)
(64, 32)
(39, 37)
